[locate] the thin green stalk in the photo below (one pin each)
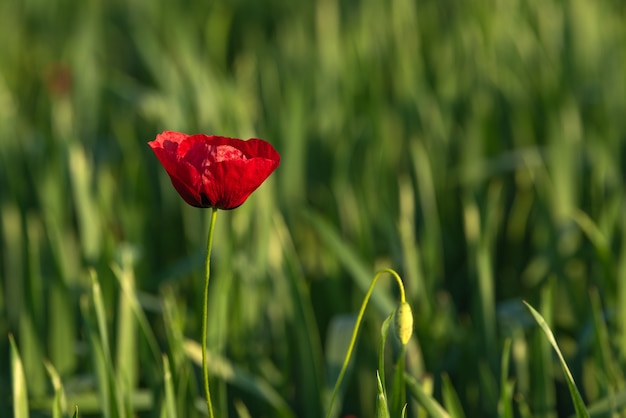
(579, 405)
(356, 330)
(205, 312)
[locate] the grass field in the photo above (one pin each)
(477, 148)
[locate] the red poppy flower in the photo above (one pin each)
(214, 171)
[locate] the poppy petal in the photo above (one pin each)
(214, 171)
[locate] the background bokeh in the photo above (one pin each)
(478, 148)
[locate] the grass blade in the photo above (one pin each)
(451, 399)
(434, 409)
(59, 404)
(105, 401)
(384, 331)
(581, 411)
(242, 411)
(100, 349)
(169, 406)
(20, 391)
(398, 390)
(382, 411)
(98, 304)
(127, 362)
(130, 297)
(87, 214)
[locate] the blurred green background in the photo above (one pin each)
(478, 148)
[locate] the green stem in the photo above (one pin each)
(356, 330)
(205, 313)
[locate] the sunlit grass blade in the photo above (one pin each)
(100, 351)
(130, 298)
(86, 207)
(168, 409)
(106, 405)
(20, 391)
(434, 409)
(254, 385)
(16, 281)
(579, 405)
(382, 411)
(242, 410)
(101, 322)
(451, 400)
(131, 314)
(59, 404)
(126, 358)
(75, 412)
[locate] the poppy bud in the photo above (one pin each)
(404, 322)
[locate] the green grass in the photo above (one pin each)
(478, 148)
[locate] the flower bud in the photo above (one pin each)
(404, 322)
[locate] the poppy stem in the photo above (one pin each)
(357, 325)
(205, 313)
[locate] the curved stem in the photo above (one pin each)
(205, 312)
(357, 325)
